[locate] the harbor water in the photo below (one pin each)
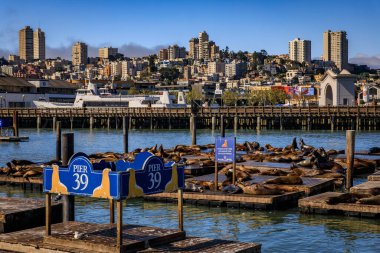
(277, 231)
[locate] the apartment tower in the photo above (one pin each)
(193, 48)
(26, 44)
(79, 54)
(300, 50)
(203, 45)
(106, 52)
(335, 48)
(39, 44)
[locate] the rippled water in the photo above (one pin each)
(278, 231)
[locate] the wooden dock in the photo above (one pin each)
(247, 117)
(317, 204)
(375, 176)
(102, 238)
(242, 201)
(310, 185)
(369, 187)
(21, 180)
(21, 213)
(13, 138)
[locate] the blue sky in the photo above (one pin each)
(139, 27)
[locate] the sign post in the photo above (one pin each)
(225, 151)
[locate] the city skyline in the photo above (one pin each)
(245, 26)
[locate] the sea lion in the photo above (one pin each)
(191, 187)
(374, 150)
(288, 180)
(259, 189)
(22, 162)
(273, 172)
(374, 200)
(306, 163)
(304, 146)
(346, 198)
(232, 189)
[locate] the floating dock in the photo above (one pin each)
(317, 204)
(374, 177)
(242, 201)
(102, 238)
(21, 180)
(370, 187)
(13, 138)
(310, 185)
(21, 213)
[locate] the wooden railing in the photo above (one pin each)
(202, 112)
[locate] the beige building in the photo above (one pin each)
(79, 54)
(203, 46)
(106, 52)
(163, 54)
(300, 50)
(116, 68)
(14, 59)
(176, 52)
(216, 67)
(335, 48)
(214, 51)
(194, 48)
(39, 44)
(26, 44)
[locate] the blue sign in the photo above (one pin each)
(146, 175)
(80, 178)
(225, 150)
(5, 122)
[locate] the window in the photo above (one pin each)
(345, 101)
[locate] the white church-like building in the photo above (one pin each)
(337, 89)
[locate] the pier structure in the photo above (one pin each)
(248, 117)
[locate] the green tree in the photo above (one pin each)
(194, 94)
(230, 98)
(133, 91)
(169, 74)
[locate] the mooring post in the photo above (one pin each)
(216, 175)
(112, 211)
(350, 149)
(67, 152)
(38, 121)
(213, 122)
(54, 122)
(193, 128)
(15, 124)
(258, 123)
(235, 123)
(71, 123)
(91, 122)
(108, 123)
(125, 134)
(222, 131)
(47, 214)
(119, 224)
(180, 209)
(58, 142)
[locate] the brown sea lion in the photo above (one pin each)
(191, 187)
(346, 198)
(232, 189)
(22, 162)
(288, 180)
(374, 200)
(259, 189)
(273, 172)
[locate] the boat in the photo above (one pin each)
(107, 97)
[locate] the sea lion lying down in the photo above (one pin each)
(291, 179)
(374, 200)
(347, 198)
(259, 189)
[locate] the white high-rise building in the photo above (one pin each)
(335, 48)
(300, 50)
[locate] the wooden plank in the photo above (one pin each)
(366, 187)
(374, 177)
(317, 204)
(21, 180)
(20, 213)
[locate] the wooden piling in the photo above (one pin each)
(38, 122)
(213, 122)
(350, 149)
(15, 124)
(180, 209)
(258, 123)
(67, 152)
(112, 211)
(47, 214)
(193, 127)
(222, 131)
(54, 123)
(235, 123)
(58, 142)
(125, 134)
(91, 122)
(119, 223)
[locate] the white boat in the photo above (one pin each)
(103, 97)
